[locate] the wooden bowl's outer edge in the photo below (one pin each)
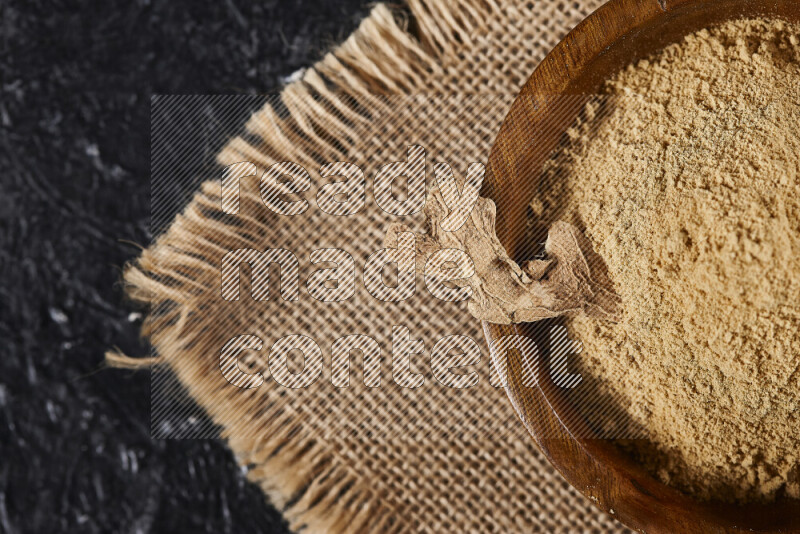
(595, 467)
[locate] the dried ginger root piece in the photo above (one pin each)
(571, 279)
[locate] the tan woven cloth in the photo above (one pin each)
(388, 458)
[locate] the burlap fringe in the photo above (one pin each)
(326, 109)
(118, 360)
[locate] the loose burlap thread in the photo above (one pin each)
(391, 458)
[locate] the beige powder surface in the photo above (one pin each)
(689, 188)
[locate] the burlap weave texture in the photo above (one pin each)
(440, 75)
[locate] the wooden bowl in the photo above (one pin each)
(617, 34)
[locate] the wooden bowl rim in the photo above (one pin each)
(636, 498)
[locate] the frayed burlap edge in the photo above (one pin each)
(325, 108)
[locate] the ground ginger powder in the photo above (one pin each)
(689, 188)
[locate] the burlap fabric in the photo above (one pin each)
(357, 458)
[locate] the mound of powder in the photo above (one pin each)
(689, 187)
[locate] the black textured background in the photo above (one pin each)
(75, 86)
